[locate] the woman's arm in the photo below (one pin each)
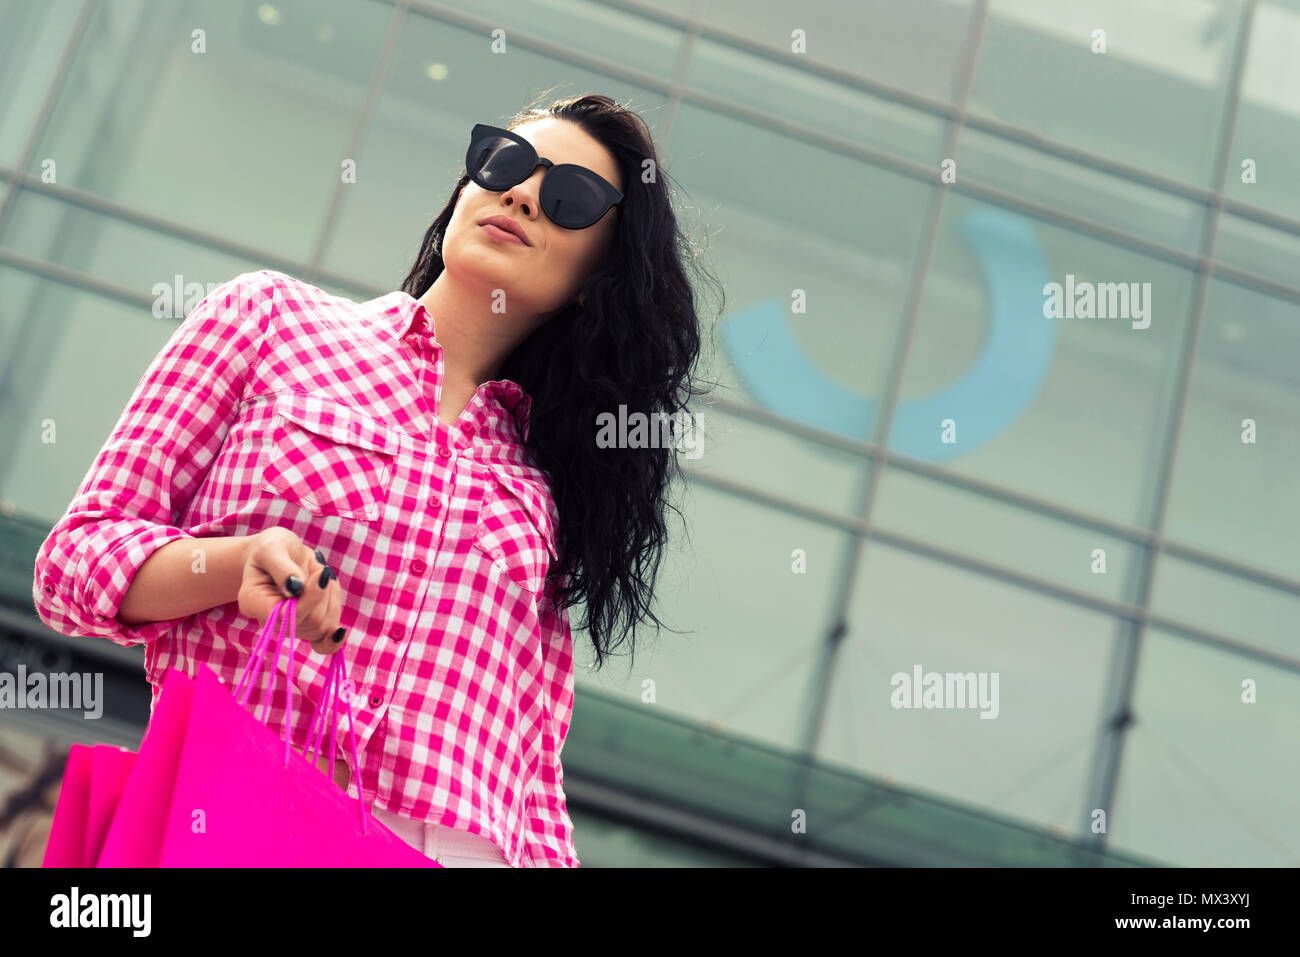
(184, 577)
(143, 478)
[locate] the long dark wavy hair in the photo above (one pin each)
(634, 341)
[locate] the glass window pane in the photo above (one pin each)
(1016, 538)
(107, 248)
(598, 30)
(31, 44)
(1109, 200)
(1149, 100)
(1208, 780)
(1031, 761)
(21, 291)
(1268, 119)
(1258, 249)
(1235, 607)
(69, 347)
(753, 625)
(783, 89)
(245, 140)
(1229, 495)
(771, 459)
(918, 46)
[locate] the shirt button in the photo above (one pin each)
(418, 567)
(398, 633)
(49, 590)
(376, 700)
(444, 452)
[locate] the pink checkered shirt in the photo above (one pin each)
(275, 403)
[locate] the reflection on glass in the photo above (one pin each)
(1079, 418)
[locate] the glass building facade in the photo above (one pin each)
(908, 465)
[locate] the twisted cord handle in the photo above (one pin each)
(336, 684)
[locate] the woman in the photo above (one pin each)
(423, 475)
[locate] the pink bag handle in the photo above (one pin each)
(336, 685)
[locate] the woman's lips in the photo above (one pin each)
(496, 232)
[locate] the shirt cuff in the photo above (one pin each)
(93, 613)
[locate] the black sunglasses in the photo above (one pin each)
(572, 196)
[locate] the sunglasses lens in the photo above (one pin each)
(499, 163)
(571, 198)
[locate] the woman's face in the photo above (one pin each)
(546, 275)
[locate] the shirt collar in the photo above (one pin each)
(410, 319)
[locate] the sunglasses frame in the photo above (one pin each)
(612, 197)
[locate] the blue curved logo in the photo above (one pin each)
(992, 393)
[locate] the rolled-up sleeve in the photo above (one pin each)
(153, 461)
(549, 831)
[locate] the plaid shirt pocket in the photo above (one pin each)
(329, 458)
(516, 529)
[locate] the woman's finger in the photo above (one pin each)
(312, 600)
(285, 569)
(332, 634)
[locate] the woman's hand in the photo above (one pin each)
(280, 566)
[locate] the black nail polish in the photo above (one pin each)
(320, 558)
(338, 635)
(325, 576)
(293, 586)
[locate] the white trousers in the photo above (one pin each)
(449, 846)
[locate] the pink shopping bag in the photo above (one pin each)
(68, 829)
(92, 786)
(215, 787)
(134, 837)
(109, 771)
